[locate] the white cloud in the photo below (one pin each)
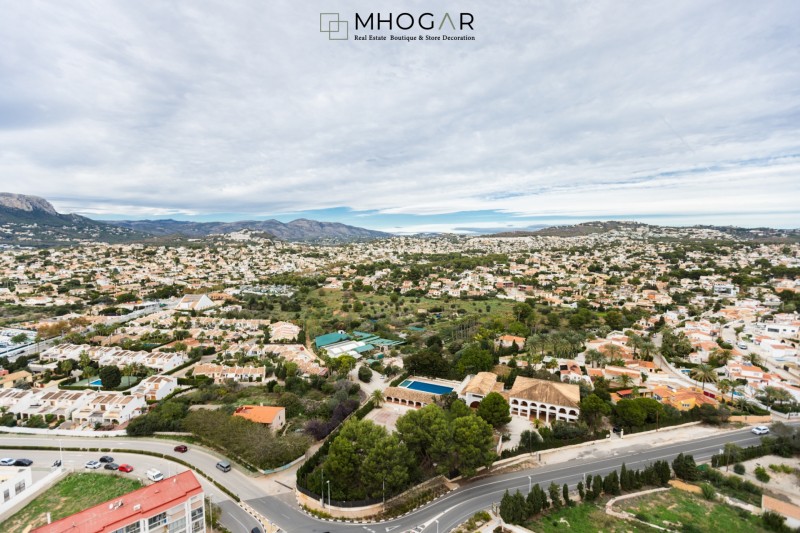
(563, 108)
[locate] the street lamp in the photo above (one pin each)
(322, 488)
(60, 452)
(437, 526)
(329, 492)
(529, 483)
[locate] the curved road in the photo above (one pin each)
(450, 510)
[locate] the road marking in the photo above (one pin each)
(391, 528)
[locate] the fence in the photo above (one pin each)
(63, 432)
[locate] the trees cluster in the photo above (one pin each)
(428, 441)
(518, 509)
(253, 443)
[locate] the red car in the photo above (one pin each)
(125, 468)
(181, 448)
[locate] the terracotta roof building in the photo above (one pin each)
(274, 417)
(174, 504)
(539, 398)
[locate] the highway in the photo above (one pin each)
(450, 511)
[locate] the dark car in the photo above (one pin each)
(255, 530)
(106, 459)
(616, 429)
(181, 448)
(111, 466)
(23, 462)
(57, 463)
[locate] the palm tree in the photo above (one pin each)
(612, 351)
(774, 395)
(595, 358)
(648, 348)
(377, 397)
(754, 359)
(724, 386)
(625, 380)
(635, 341)
(704, 373)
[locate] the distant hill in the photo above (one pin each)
(32, 221)
(297, 230)
(573, 230)
(595, 227)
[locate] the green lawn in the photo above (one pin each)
(587, 517)
(670, 508)
(74, 493)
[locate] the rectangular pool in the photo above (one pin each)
(426, 387)
(96, 383)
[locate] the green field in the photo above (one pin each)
(74, 493)
(674, 509)
(668, 509)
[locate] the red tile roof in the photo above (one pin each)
(109, 516)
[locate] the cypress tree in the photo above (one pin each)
(580, 490)
(565, 495)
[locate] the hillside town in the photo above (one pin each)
(539, 337)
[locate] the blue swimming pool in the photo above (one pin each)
(95, 383)
(426, 387)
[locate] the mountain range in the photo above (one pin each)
(33, 221)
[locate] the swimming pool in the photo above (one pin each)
(426, 387)
(96, 383)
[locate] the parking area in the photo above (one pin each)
(387, 415)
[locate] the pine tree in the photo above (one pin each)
(580, 491)
(565, 495)
(597, 486)
(553, 490)
(624, 478)
(534, 501)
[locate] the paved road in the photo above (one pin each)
(450, 510)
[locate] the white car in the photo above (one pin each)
(760, 430)
(94, 465)
(154, 475)
(7, 461)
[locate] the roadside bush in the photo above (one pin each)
(761, 474)
(365, 374)
(708, 491)
(739, 469)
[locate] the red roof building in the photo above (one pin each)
(174, 504)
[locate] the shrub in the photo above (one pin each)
(708, 491)
(739, 469)
(761, 474)
(773, 521)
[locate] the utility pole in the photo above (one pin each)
(329, 493)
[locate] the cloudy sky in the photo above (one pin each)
(558, 111)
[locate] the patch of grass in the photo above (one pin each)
(675, 508)
(72, 494)
(585, 517)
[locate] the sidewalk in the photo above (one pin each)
(631, 443)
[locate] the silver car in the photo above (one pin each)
(94, 465)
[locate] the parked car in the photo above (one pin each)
(616, 429)
(106, 459)
(94, 465)
(225, 466)
(7, 461)
(111, 466)
(760, 430)
(255, 530)
(125, 468)
(154, 475)
(181, 448)
(742, 345)
(23, 462)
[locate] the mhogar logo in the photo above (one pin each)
(335, 27)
